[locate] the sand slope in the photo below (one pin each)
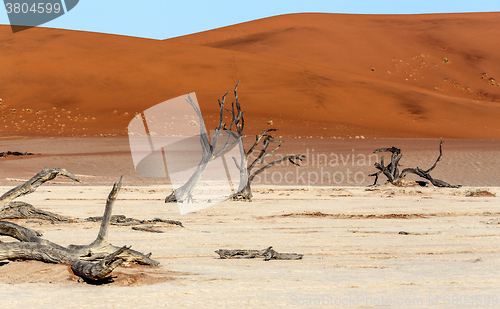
(309, 73)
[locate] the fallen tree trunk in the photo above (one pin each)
(15, 153)
(21, 210)
(267, 254)
(151, 226)
(124, 221)
(107, 256)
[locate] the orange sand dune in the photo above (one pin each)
(321, 75)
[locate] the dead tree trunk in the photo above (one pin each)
(246, 168)
(184, 192)
(391, 171)
(10, 209)
(209, 153)
(31, 246)
(246, 176)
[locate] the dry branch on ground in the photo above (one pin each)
(91, 262)
(267, 254)
(15, 153)
(10, 209)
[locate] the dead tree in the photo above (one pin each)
(245, 167)
(209, 152)
(234, 134)
(91, 262)
(391, 171)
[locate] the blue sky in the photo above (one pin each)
(159, 19)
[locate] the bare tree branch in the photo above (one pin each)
(205, 143)
(257, 141)
(102, 237)
(438, 159)
(31, 185)
(290, 158)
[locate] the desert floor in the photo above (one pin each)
(102, 160)
(363, 247)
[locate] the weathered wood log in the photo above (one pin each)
(100, 244)
(31, 185)
(424, 174)
(150, 229)
(99, 270)
(124, 221)
(15, 153)
(267, 254)
(22, 210)
(32, 247)
(10, 209)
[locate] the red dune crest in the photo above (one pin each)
(310, 75)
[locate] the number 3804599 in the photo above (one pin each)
(37, 8)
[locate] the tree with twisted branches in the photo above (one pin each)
(234, 133)
(391, 171)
